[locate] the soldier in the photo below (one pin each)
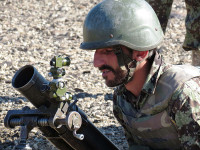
(156, 103)
(192, 23)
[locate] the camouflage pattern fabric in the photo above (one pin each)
(192, 21)
(183, 109)
(186, 112)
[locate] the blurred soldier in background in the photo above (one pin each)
(156, 103)
(192, 23)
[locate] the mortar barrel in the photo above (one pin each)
(29, 82)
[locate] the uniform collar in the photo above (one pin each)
(154, 74)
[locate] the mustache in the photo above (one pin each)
(107, 67)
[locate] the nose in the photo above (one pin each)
(98, 59)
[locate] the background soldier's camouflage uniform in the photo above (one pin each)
(192, 23)
(183, 107)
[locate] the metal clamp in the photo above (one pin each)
(74, 122)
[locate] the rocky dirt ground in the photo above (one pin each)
(33, 31)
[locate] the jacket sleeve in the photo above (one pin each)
(186, 113)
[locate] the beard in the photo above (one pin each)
(119, 76)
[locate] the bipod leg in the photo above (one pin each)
(23, 145)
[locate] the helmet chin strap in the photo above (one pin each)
(126, 62)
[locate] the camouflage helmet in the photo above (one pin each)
(132, 23)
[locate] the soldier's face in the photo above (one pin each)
(106, 61)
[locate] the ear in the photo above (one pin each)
(140, 55)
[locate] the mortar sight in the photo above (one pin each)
(58, 61)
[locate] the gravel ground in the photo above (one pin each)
(33, 31)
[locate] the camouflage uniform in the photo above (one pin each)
(166, 115)
(192, 23)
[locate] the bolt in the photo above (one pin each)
(50, 74)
